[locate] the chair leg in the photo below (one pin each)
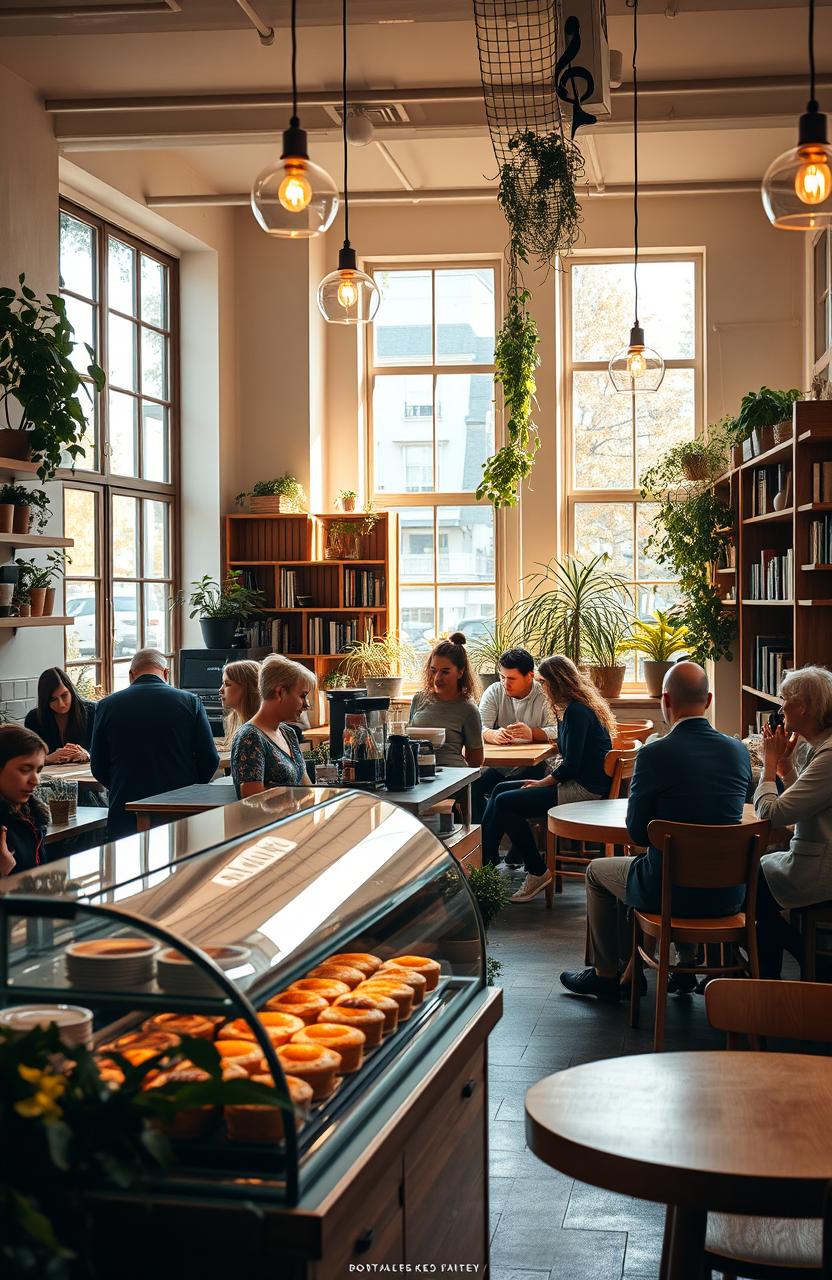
(809, 948)
(551, 860)
(558, 884)
(635, 976)
(661, 993)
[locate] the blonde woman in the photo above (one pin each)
(239, 695)
(265, 752)
(448, 701)
(585, 728)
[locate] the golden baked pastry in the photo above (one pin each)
(329, 988)
(340, 972)
(184, 1024)
(419, 964)
(153, 1041)
(192, 1121)
(280, 1027)
(393, 987)
(417, 981)
(362, 1012)
(242, 1052)
(265, 1124)
(348, 1043)
(363, 960)
(318, 1066)
(111, 1074)
(305, 1005)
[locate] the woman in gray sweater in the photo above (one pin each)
(449, 688)
(801, 875)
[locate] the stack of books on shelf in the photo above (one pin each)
(287, 589)
(328, 636)
(773, 655)
(766, 483)
(772, 578)
(822, 481)
(280, 635)
(363, 589)
(820, 541)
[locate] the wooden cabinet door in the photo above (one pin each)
(445, 1176)
(368, 1232)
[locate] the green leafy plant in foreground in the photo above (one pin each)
(207, 599)
(516, 359)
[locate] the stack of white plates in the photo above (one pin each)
(108, 964)
(180, 977)
(74, 1022)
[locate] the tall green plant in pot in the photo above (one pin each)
(39, 383)
(605, 643)
(574, 605)
(382, 664)
(658, 641)
(220, 608)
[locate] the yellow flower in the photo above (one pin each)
(43, 1102)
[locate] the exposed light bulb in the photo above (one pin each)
(295, 191)
(636, 363)
(813, 180)
(347, 290)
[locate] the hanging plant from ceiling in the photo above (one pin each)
(537, 194)
(516, 358)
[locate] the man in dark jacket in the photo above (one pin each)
(149, 738)
(693, 774)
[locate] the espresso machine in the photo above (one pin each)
(351, 702)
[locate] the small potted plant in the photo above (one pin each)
(336, 680)
(18, 507)
(347, 498)
(32, 584)
(220, 608)
(658, 641)
(382, 664)
(56, 562)
(283, 496)
(605, 642)
(764, 419)
(498, 635)
(703, 460)
(39, 382)
(343, 537)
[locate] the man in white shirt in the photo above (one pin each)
(513, 709)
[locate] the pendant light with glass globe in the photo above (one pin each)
(347, 296)
(797, 187)
(294, 198)
(636, 367)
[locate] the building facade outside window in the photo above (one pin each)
(431, 416)
(120, 502)
(612, 438)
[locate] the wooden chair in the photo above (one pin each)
(768, 1248)
(618, 766)
(698, 857)
(633, 730)
(814, 918)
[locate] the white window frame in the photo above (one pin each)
(572, 496)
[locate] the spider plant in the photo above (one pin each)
(506, 632)
(573, 604)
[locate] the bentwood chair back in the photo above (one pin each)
(766, 1248)
(633, 730)
(618, 766)
(698, 857)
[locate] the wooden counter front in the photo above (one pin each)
(416, 1193)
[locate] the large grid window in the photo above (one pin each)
(431, 414)
(120, 504)
(611, 438)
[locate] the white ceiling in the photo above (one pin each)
(399, 44)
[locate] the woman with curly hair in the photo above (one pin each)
(585, 730)
(448, 701)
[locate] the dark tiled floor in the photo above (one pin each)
(544, 1225)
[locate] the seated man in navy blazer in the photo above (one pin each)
(692, 774)
(149, 738)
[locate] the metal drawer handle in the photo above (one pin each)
(468, 1088)
(365, 1240)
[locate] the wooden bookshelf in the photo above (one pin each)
(801, 622)
(266, 547)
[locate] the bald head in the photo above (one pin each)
(685, 692)
(148, 662)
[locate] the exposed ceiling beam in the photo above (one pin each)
(466, 195)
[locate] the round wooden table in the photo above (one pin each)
(730, 1132)
(602, 821)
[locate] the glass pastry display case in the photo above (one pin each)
(331, 928)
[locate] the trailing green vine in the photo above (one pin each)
(516, 358)
(537, 194)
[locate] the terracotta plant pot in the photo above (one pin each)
(22, 519)
(15, 444)
(24, 610)
(38, 598)
(6, 517)
(654, 674)
(608, 680)
(49, 602)
(348, 504)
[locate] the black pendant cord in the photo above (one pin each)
(295, 122)
(635, 157)
(813, 106)
(344, 124)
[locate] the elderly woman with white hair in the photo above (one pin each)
(801, 875)
(265, 752)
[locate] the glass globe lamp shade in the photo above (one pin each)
(294, 198)
(348, 296)
(797, 187)
(636, 367)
